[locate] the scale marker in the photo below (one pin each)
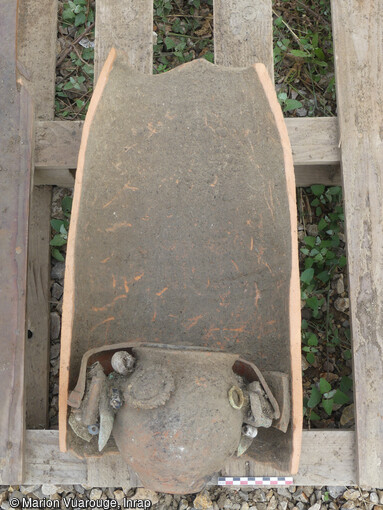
(255, 480)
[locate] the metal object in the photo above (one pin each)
(236, 397)
(260, 413)
(123, 362)
(93, 430)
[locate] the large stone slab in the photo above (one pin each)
(184, 225)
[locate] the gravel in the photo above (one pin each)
(213, 498)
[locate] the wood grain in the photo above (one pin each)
(243, 33)
(16, 136)
(315, 146)
(36, 52)
(328, 458)
(358, 38)
(127, 26)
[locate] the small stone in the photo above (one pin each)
(245, 506)
(374, 498)
(380, 494)
(203, 501)
(243, 495)
(5, 505)
(272, 504)
(15, 495)
(378, 507)
(55, 352)
(305, 364)
(78, 488)
(300, 505)
(183, 505)
(49, 490)
(95, 494)
(308, 490)
(316, 506)
(340, 285)
(282, 491)
(55, 326)
(312, 230)
(3, 497)
(349, 505)
(118, 495)
(342, 304)
(58, 271)
(333, 506)
(57, 291)
(335, 492)
(301, 112)
(228, 504)
(282, 505)
(142, 493)
(29, 489)
(351, 494)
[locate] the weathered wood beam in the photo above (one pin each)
(315, 145)
(328, 458)
(358, 38)
(16, 149)
(36, 51)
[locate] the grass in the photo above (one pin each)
(305, 85)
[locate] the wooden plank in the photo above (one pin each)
(44, 463)
(243, 33)
(328, 458)
(16, 135)
(358, 37)
(37, 343)
(314, 141)
(36, 52)
(127, 26)
(306, 175)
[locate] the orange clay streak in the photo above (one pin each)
(193, 322)
(101, 323)
(162, 291)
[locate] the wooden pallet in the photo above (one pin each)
(353, 141)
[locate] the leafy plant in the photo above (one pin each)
(184, 32)
(61, 226)
(322, 394)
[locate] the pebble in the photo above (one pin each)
(203, 501)
(58, 271)
(380, 494)
(272, 504)
(349, 505)
(342, 304)
(312, 230)
(5, 505)
(142, 493)
(348, 416)
(49, 490)
(78, 488)
(351, 494)
(340, 285)
(57, 291)
(95, 494)
(55, 325)
(245, 506)
(183, 505)
(316, 506)
(15, 495)
(283, 505)
(374, 498)
(54, 353)
(3, 497)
